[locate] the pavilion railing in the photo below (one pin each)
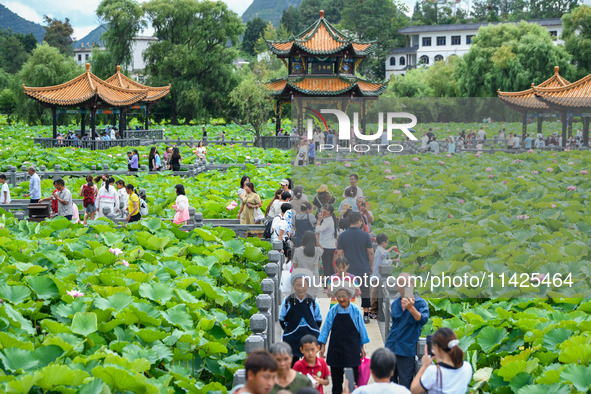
(280, 142)
(193, 142)
(155, 134)
(86, 144)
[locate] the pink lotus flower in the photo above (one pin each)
(451, 216)
(367, 164)
(387, 163)
(118, 154)
(390, 177)
(571, 188)
(553, 205)
(523, 217)
(441, 163)
(144, 156)
(554, 154)
(415, 159)
(318, 163)
(448, 155)
(388, 171)
(567, 150)
(535, 172)
(505, 181)
(488, 169)
(477, 155)
(538, 278)
(407, 173)
(555, 161)
(583, 172)
(519, 161)
(407, 185)
(461, 201)
(248, 157)
(75, 293)
(231, 205)
(110, 155)
(116, 251)
(550, 169)
(396, 192)
(330, 155)
(402, 166)
(268, 164)
(73, 148)
(125, 263)
(491, 176)
(530, 151)
(347, 165)
(521, 176)
(570, 163)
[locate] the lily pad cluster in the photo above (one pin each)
(148, 308)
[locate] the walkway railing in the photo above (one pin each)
(152, 134)
(85, 144)
(187, 170)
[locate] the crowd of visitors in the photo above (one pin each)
(111, 197)
(298, 363)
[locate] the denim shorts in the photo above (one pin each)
(90, 208)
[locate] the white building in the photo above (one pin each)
(83, 55)
(430, 43)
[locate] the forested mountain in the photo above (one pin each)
(10, 20)
(270, 10)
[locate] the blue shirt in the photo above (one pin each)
(157, 160)
(314, 308)
(405, 331)
(35, 187)
(311, 149)
(528, 143)
(451, 147)
(356, 316)
(134, 162)
(381, 255)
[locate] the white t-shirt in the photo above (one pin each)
(424, 140)
(381, 388)
(481, 134)
(279, 224)
(7, 190)
(453, 381)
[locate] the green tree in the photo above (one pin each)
(291, 20)
(509, 57)
(125, 19)
(270, 34)
(12, 52)
(46, 67)
(437, 13)
(193, 55)
(254, 29)
(58, 34)
(577, 38)
(310, 12)
(251, 104)
(377, 20)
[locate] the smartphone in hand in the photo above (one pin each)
(350, 378)
(408, 292)
(430, 345)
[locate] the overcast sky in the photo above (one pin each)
(81, 12)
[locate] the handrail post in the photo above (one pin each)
(264, 305)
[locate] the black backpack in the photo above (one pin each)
(268, 228)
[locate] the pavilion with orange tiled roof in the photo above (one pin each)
(525, 101)
(555, 95)
(90, 92)
(321, 62)
(154, 95)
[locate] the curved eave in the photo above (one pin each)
(154, 93)
(364, 88)
(370, 49)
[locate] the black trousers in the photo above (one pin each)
(69, 217)
(34, 200)
(404, 371)
(135, 218)
(337, 375)
(365, 295)
(327, 257)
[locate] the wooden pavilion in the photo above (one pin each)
(87, 91)
(321, 62)
(154, 95)
(554, 95)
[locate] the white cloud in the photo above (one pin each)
(24, 11)
(239, 6)
(82, 31)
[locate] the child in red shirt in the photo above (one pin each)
(312, 366)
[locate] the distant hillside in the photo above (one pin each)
(270, 10)
(10, 20)
(91, 38)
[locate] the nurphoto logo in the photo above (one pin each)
(349, 131)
